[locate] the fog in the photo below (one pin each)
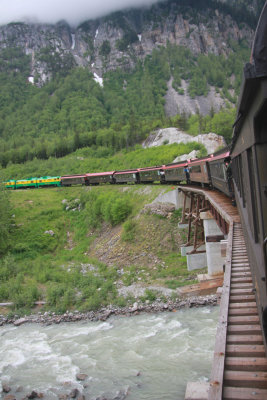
(52, 11)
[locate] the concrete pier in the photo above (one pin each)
(213, 237)
(196, 261)
(169, 197)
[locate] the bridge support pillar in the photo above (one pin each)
(213, 237)
(197, 391)
(169, 197)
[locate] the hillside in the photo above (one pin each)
(83, 247)
(110, 82)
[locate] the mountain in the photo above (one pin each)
(110, 81)
(120, 39)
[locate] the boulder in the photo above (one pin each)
(20, 321)
(9, 397)
(81, 377)
(211, 141)
(6, 388)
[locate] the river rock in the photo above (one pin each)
(81, 377)
(20, 321)
(9, 397)
(50, 232)
(74, 393)
(32, 395)
(6, 388)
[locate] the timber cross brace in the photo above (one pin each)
(191, 216)
(194, 203)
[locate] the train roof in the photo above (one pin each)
(176, 165)
(202, 159)
(100, 173)
(252, 74)
(156, 168)
(220, 156)
(73, 176)
(126, 171)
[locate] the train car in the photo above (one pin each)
(175, 172)
(48, 181)
(69, 180)
(151, 174)
(11, 184)
(248, 153)
(127, 176)
(96, 178)
(220, 172)
(199, 170)
(26, 183)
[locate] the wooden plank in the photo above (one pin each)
(246, 364)
(245, 350)
(246, 379)
(244, 319)
(244, 329)
(238, 264)
(245, 339)
(233, 393)
(240, 292)
(241, 285)
(243, 311)
(241, 279)
(243, 305)
(217, 372)
(241, 273)
(240, 299)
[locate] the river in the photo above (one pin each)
(148, 356)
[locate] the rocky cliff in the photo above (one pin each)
(211, 141)
(123, 38)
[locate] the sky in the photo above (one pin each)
(52, 11)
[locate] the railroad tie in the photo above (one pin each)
(245, 369)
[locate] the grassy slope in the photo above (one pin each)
(65, 269)
(95, 160)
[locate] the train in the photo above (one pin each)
(249, 166)
(210, 171)
(240, 171)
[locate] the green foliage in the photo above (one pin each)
(105, 48)
(109, 207)
(96, 160)
(5, 220)
(221, 123)
(129, 230)
(149, 295)
(72, 111)
(129, 37)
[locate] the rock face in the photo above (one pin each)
(176, 103)
(122, 38)
(173, 135)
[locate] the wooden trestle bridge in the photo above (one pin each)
(239, 370)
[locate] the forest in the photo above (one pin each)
(72, 111)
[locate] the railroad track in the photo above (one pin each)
(245, 369)
(239, 370)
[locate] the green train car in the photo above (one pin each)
(33, 182)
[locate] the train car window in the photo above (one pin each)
(254, 214)
(260, 124)
(242, 180)
(196, 168)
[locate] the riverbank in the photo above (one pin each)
(49, 317)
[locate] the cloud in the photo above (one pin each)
(52, 11)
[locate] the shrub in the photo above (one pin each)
(120, 210)
(129, 228)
